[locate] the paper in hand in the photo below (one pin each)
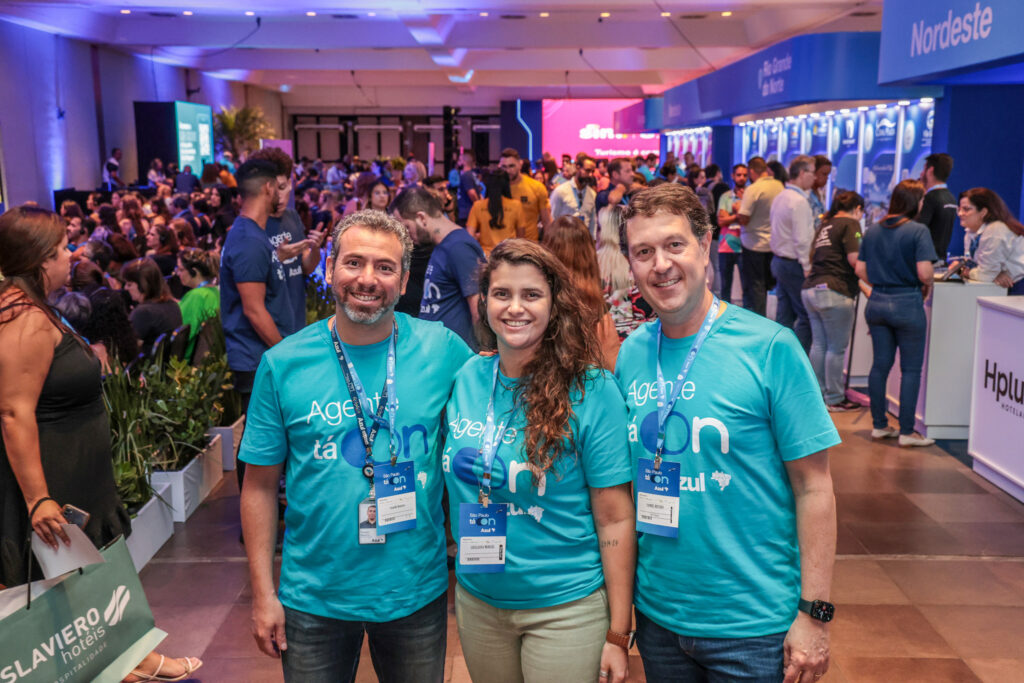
(81, 553)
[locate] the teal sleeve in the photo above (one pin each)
(458, 352)
(265, 441)
(602, 436)
(799, 420)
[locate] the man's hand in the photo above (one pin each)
(614, 661)
(289, 250)
(268, 626)
(806, 650)
(1003, 280)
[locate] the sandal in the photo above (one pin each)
(190, 668)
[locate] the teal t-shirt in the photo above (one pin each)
(552, 556)
(749, 405)
(301, 414)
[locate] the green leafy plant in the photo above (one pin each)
(131, 438)
(236, 130)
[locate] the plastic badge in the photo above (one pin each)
(657, 500)
(395, 486)
(482, 537)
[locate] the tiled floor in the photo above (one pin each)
(929, 578)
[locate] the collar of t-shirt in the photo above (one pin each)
(940, 186)
(790, 186)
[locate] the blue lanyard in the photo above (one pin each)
(491, 439)
(360, 401)
(665, 404)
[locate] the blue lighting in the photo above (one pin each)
(529, 133)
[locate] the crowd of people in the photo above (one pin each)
(492, 323)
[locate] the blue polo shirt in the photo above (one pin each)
(553, 555)
(750, 404)
(451, 277)
(301, 415)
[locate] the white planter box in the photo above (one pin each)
(230, 441)
(151, 527)
(194, 482)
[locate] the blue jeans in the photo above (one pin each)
(407, 650)
(896, 320)
(673, 658)
(790, 311)
(727, 262)
(831, 316)
(716, 283)
(756, 278)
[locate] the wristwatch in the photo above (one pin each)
(623, 640)
(818, 609)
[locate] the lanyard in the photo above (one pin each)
(361, 401)
(665, 404)
(491, 439)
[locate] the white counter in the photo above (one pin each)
(997, 394)
(944, 402)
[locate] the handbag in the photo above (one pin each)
(93, 624)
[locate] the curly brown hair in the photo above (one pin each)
(568, 353)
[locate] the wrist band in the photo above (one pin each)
(36, 507)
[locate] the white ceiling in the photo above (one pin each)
(420, 54)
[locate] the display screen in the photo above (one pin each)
(572, 126)
(194, 124)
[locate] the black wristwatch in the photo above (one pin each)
(818, 609)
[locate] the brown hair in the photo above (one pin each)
(568, 351)
(570, 241)
(184, 233)
(984, 198)
(146, 275)
(29, 236)
(168, 239)
(905, 200)
(203, 262)
(670, 198)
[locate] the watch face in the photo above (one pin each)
(822, 611)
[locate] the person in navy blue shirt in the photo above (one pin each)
(450, 289)
(469, 186)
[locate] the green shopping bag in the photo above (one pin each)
(91, 625)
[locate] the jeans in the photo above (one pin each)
(831, 316)
(727, 262)
(716, 281)
(896, 320)
(244, 380)
(560, 643)
(790, 311)
(410, 649)
(668, 656)
(756, 278)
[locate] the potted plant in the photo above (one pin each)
(236, 130)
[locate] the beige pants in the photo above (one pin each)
(560, 644)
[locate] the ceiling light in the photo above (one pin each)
(371, 14)
(187, 13)
(726, 14)
(483, 14)
(802, 116)
(605, 15)
(250, 14)
(881, 106)
(830, 112)
(545, 15)
(310, 14)
(666, 14)
(842, 111)
(815, 115)
(126, 11)
(862, 108)
(926, 100)
(904, 103)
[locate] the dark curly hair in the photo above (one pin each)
(109, 324)
(568, 352)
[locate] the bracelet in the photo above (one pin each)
(36, 507)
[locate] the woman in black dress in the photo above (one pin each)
(56, 437)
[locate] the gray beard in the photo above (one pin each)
(368, 318)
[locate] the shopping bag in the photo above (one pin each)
(89, 625)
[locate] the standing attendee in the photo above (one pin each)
(627, 307)
(620, 182)
(730, 246)
(735, 438)
(938, 212)
(819, 202)
(186, 182)
(156, 175)
(112, 171)
(155, 312)
(498, 217)
(365, 184)
(532, 195)
(649, 169)
(438, 184)
(792, 232)
(895, 259)
(469, 186)
(254, 302)
(197, 270)
(754, 217)
(336, 176)
(450, 289)
(339, 578)
(829, 295)
(577, 197)
(994, 242)
(555, 602)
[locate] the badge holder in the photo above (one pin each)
(482, 536)
(657, 498)
(395, 484)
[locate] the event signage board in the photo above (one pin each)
(194, 126)
(818, 128)
(927, 40)
(916, 138)
(843, 149)
(571, 126)
(879, 175)
(997, 394)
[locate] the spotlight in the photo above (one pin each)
(126, 11)
(726, 14)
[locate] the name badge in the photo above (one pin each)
(395, 486)
(368, 523)
(482, 539)
(657, 499)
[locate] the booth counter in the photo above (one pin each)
(944, 402)
(997, 394)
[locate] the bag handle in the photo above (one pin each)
(29, 555)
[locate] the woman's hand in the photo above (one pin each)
(48, 523)
(614, 663)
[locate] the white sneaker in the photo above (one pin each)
(910, 440)
(886, 433)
